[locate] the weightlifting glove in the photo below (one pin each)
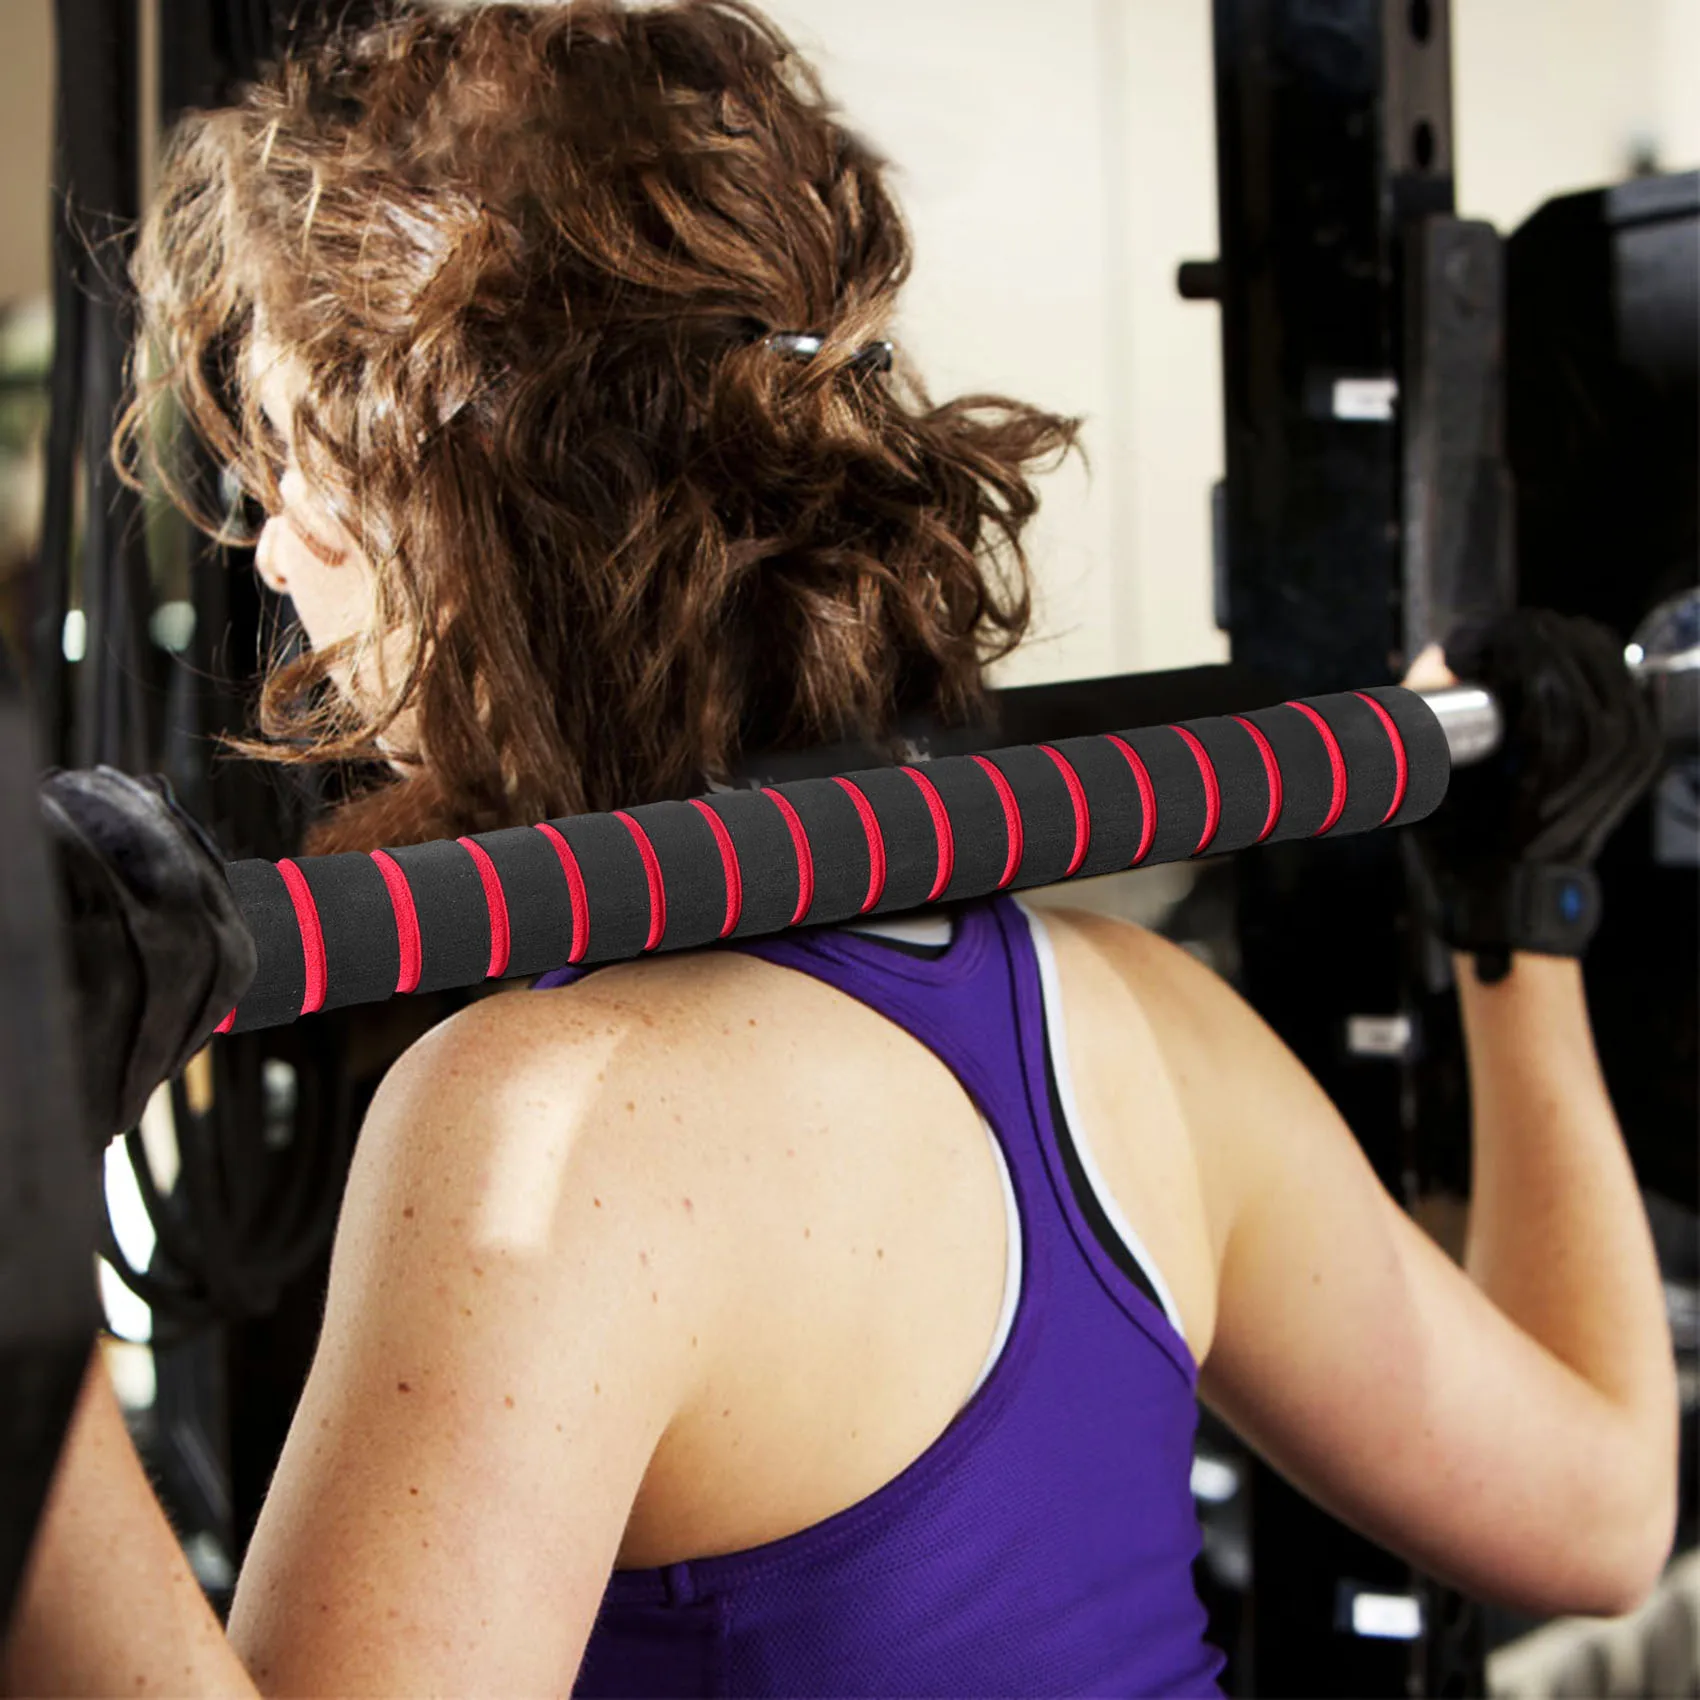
(157, 950)
(1508, 858)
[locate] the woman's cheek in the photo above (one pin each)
(331, 603)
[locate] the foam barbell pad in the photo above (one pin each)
(345, 929)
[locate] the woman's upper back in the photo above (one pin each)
(859, 1499)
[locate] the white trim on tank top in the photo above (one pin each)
(932, 931)
(1050, 987)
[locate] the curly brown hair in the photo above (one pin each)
(526, 258)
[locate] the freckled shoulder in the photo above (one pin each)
(659, 1054)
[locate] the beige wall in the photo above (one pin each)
(1562, 94)
(26, 126)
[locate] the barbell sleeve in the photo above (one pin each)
(355, 928)
(1470, 718)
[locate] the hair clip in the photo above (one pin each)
(805, 345)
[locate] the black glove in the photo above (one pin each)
(1508, 858)
(157, 950)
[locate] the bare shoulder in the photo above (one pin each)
(548, 1106)
(665, 1080)
(1216, 1057)
(1136, 1007)
(615, 1047)
(1185, 1000)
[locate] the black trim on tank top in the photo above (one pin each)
(1103, 1231)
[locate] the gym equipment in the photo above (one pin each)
(1364, 511)
(157, 947)
(352, 928)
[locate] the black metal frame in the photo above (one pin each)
(1366, 507)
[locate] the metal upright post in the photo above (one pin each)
(1360, 369)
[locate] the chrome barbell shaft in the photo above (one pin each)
(1470, 718)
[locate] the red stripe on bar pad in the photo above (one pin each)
(1011, 819)
(1212, 787)
(1271, 772)
(805, 856)
(728, 864)
(1147, 797)
(876, 842)
(575, 891)
(406, 921)
(496, 901)
(312, 935)
(1077, 801)
(1336, 763)
(941, 831)
(1398, 743)
(652, 874)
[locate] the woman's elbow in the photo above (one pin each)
(1601, 1553)
(1625, 1551)
(1635, 1570)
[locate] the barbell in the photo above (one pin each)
(336, 930)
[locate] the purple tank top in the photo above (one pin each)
(1043, 1544)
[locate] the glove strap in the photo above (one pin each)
(1546, 907)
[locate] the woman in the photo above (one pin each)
(823, 1316)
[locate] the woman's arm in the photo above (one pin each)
(1558, 1238)
(108, 1604)
(1515, 1436)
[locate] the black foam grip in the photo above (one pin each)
(454, 921)
(1178, 784)
(767, 862)
(280, 980)
(362, 952)
(1080, 805)
(615, 885)
(1242, 783)
(910, 840)
(1047, 814)
(540, 915)
(1118, 817)
(838, 848)
(1369, 758)
(692, 876)
(1307, 780)
(1428, 758)
(979, 834)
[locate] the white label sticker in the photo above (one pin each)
(1368, 399)
(1387, 1617)
(1378, 1035)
